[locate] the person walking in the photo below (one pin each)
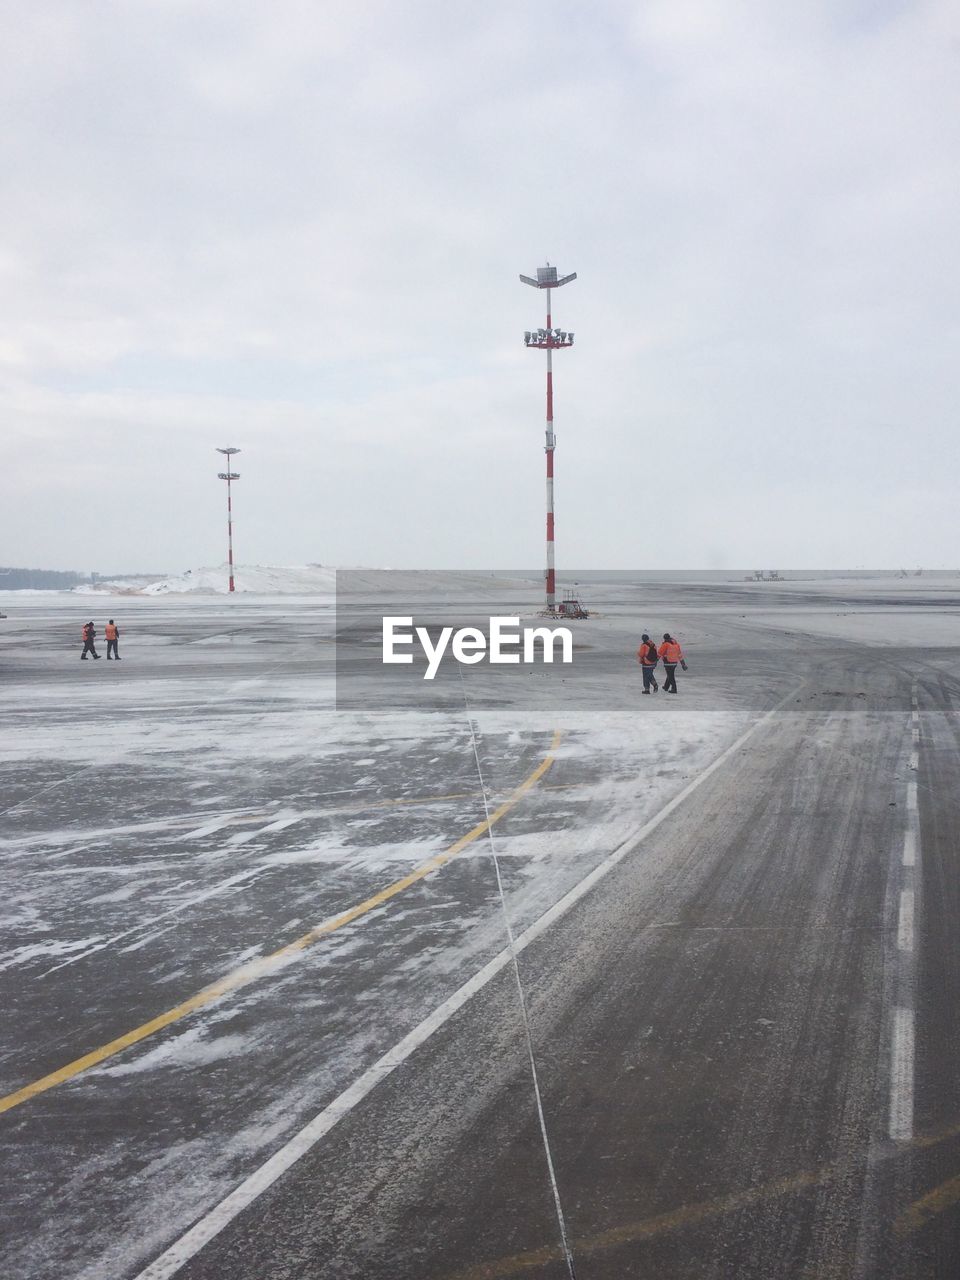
(89, 635)
(112, 632)
(671, 653)
(647, 657)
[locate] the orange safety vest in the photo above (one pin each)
(647, 654)
(87, 631)
(110, 631)
(670, 651)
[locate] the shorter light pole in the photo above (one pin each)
(229, 475)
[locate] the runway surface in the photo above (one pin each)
(262, 1017)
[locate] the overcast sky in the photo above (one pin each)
(297, 227)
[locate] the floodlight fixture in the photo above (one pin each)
(547, 278)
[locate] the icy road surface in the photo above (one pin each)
(225, 902)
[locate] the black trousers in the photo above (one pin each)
(649, 679)
(88, 648)
(112, 644)
(670, 684)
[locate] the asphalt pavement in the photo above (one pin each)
(743, 1010)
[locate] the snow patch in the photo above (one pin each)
(192, 1048)
(249, 579)
(48, 950)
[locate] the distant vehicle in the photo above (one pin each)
(571, 607)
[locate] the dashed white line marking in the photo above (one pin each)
(901, 1076)
(905, 921)
(209, 828)
(281, 824)
(903, 1021)
(909, 848)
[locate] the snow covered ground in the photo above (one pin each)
(183, 816)
(185, 813)
(314, 579)
(904, 628)
(292, 580)
(258, 579)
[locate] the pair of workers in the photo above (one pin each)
(648, 655)
(112, 635)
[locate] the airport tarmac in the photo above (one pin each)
(262, 1016)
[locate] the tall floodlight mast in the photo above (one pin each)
(229, 476)
(549, 340)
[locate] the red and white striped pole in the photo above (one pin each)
(229, 476)
(549, 340)
(549, 450)
(230, 530)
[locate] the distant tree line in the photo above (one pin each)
(40, 579)
(61, 579)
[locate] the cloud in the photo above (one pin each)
(305, 224)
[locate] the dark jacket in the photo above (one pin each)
(647, 654)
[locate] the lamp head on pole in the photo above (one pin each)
(547, 339)
(547, 278)
(228, 475)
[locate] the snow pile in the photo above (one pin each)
(126, 586)
(312, 579)
(268, 580)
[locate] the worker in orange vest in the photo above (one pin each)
(112, 632)
(671, 653)
(648, 658)
(89, 635)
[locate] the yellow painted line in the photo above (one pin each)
(925, 1209)
(260, 968)
(910, 1220)
(934, 1139)
(645, 1229)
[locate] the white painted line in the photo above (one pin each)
(914, 759)
(281, 824)
(208, 828)
(150, 921)
(912, 796)
(909, 848)
(905, 921)
(901, 1076)
(222, 1214)
(242, 837)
